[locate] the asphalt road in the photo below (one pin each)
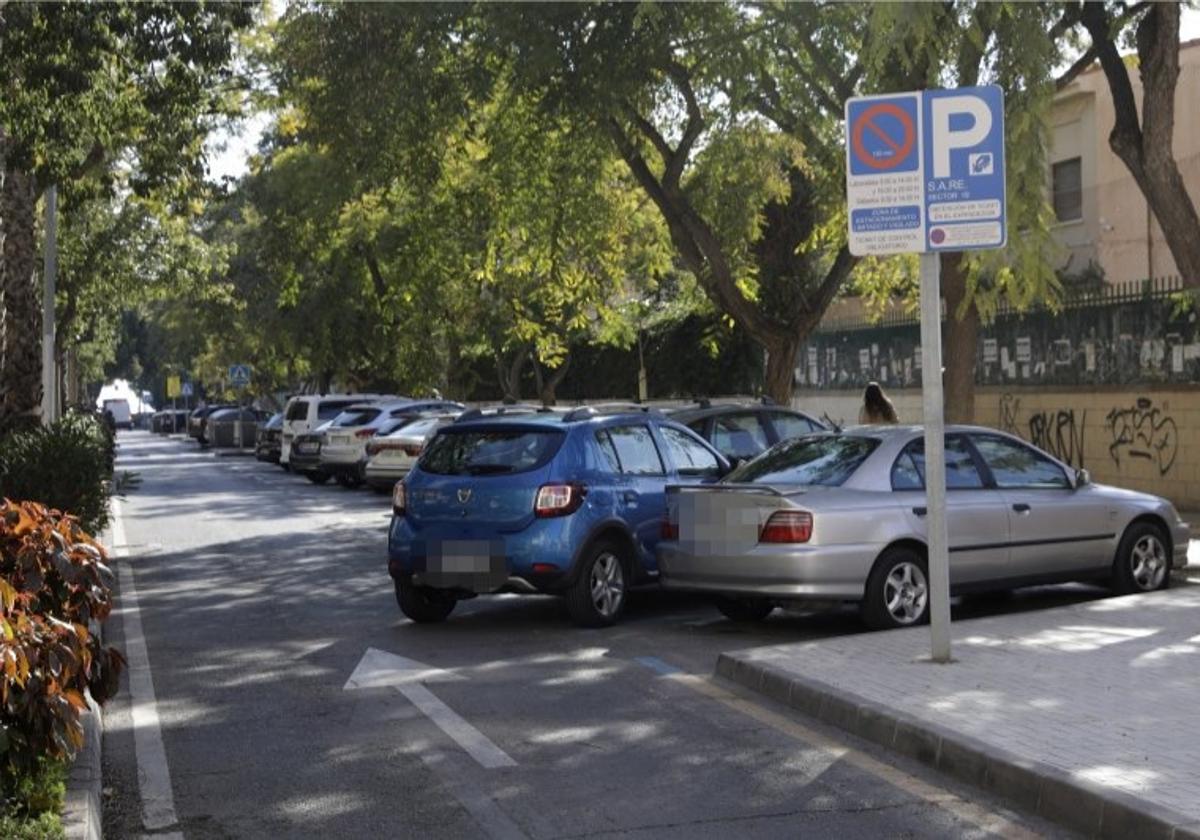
(259, 594)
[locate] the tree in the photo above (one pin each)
(488, 227)
(81, 87)
(1144, 144)
(709, 106)
(1015, 46)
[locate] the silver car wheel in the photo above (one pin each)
(607, 584)
(1148, 563)
(905, 593)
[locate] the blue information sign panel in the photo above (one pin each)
(239, 375)
(925, 171)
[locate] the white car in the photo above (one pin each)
(307, 411)
(390, 457)
(344, 444)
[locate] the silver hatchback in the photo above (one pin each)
(841, 517)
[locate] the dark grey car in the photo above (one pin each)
(741, 431)
(841, 516)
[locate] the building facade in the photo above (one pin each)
(1102, 218)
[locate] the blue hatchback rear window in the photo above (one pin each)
(489, 452)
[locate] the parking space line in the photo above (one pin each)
(154, 775)
(657, 665)
(985, 819)
(474, 742)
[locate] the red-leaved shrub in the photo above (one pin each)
(53, 582)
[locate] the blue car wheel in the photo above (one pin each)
(423, 604)
(598, 594)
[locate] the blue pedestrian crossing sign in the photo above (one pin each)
(239, 375)
(185, 390)
(925, 171)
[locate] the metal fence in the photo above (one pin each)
(1126, 333)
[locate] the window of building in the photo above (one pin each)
(1067, 176)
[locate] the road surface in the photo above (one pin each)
(258, 595)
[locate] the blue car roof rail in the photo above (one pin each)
(500, 411)
(586, 411)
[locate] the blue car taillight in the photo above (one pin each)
(399, 498)
(558, 500)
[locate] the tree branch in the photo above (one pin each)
(1082, 63)
(1126, 136)
(697, 244)
(815, 307)
(651, 133)
(691, 130)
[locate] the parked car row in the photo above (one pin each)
(753, 504)
(169, 422)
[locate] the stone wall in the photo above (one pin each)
(1140, 437)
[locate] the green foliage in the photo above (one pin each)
(970, 43)
(66, 465)
(33, 800)
(53, 582)
(45, 826)
(85, 83)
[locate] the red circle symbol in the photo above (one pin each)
(899, 148)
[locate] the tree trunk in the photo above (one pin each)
(1145, 147)
(961, 338)
(782, 352)
(547, 384)
(21, 370)
(509, 375)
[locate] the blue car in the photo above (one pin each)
(571, 504)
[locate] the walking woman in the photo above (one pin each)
(877, 408)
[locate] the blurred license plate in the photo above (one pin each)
(305, 448)
(475, 564)
(339, 440)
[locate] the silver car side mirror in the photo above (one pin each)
(1082, 478)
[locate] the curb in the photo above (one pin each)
(1031, 785)
(81, 817)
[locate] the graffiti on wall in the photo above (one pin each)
(1009, 406)
(1059, 432)
(1143, 431)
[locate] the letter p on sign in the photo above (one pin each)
(945, 139)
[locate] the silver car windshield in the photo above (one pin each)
(815, 460)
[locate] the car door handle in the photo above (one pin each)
(1021, 507)
(630, 497)
(920, 511)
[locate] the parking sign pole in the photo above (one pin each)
(935, 456)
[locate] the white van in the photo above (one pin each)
(122, 416)
(308, 411)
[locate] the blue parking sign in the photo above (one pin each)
(925, 171)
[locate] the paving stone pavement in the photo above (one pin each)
(1103, 692)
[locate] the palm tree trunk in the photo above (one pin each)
(21, 365)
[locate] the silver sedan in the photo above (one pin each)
(841, 517)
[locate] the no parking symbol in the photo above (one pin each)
(883, 135)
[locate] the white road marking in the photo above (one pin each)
(379, 668)
(154, 775)
(474, 742)
(493, 822)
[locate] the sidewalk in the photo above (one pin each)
(1085, 714)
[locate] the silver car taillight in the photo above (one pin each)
(787, 526)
